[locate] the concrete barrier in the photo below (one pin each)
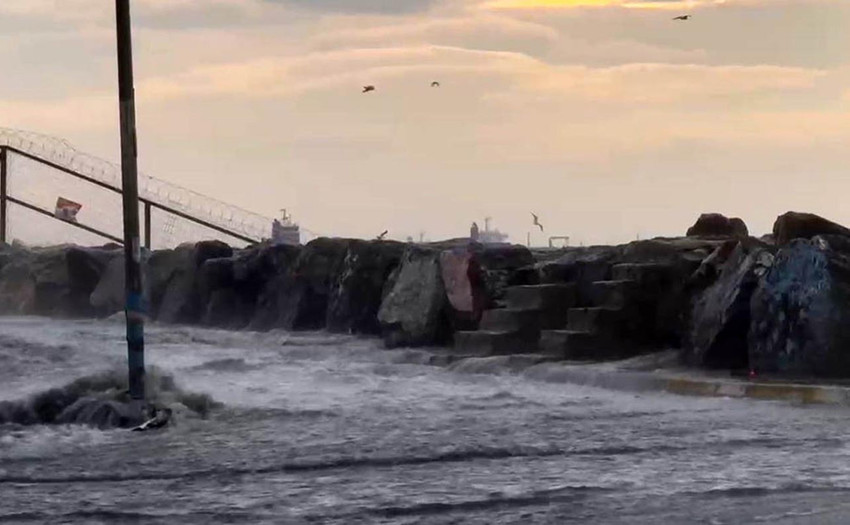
(611, 377)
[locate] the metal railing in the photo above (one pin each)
(148, 203)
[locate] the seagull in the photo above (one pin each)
(435, 84)
(381, 236)
(367, 89)
(537, 222)
(683, 17)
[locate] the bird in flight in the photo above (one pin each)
(367, 89)
(381, 236)
(683, 17)
(537, 222)
(435, 84)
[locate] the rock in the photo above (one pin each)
(299, 299)
(55, 281)
(206, 250)
(800, 317)
(720, 320)
(107, 298)
(476, 276)
(171, 280)
(794, 225)
(710, 267)
(356, 296)
(173, 277)
(17, 286)
(108, 295)
(220, 304)
(497, 266)
(414, 311)
(687, 251)
(86, 268)
(717, 225)
(262, 273)
(465, 290)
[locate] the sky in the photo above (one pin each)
(606, 118)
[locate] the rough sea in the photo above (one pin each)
(319, 428)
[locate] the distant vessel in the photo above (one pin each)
(489, 236)
(284, 231)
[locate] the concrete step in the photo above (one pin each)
(544, 297)
(523, 321)
(577, 345)
(645, 274)
(613, 294)
(487, 343)
(613, 322)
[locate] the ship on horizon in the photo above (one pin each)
(285, 231)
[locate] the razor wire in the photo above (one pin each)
(58, 151)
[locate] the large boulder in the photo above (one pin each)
(476, 276)
(17, 285)
(263, 273)
(801, 310)
(414, 311)
(794, 225)
(298, 299)
(259, 273)
(55, 281)
(497, 266)
(218, 298)
(717, 225)
(720, 319)
(86, 268)
(173, 280)
(356, 296)
(465, 292)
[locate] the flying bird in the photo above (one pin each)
(537, 222)
(683, 17)
(367, 89)
(435, 84)
(381, 236)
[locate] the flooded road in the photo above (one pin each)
(317, 428)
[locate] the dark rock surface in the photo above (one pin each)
(794, 225)
(718, 336)
(717, 225)
(298, 299)
(800, 316)
(55, 281)
(710, 292)
(356, 296)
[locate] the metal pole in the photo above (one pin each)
(148, 225)
(129, 184)
(3, 193)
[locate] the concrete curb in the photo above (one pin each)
(611, 378)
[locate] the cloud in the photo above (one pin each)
(393, 7)
(633, 4)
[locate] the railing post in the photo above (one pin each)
(148, 225)
(3, 193)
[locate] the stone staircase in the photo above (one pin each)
(594, 320)
(516, 328)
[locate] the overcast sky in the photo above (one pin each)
(605, 117)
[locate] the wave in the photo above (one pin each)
(752, 492)
(350, 462)
(101, 400)
(532, 499)
(233, 364)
